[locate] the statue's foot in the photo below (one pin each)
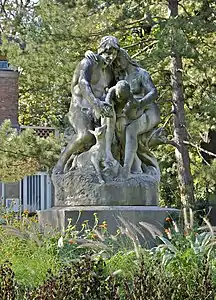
(125, 172)
(137, 172)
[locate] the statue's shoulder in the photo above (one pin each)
(86, 62)
(90, 63)
(143, 72)
(144, 75)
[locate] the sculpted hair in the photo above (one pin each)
(126, 56)
(108, 42)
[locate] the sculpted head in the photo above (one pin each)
(123, 89)
(109, 48)
(123, 93)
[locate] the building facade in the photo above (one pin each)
(33, 192)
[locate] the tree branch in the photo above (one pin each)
(173, 143)
(18, 153)
(144, 49)
(182, 6)
(200, 149)
(138, 43)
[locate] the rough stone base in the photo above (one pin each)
(82, 188)
(58, 217)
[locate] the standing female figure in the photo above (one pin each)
(146, 116)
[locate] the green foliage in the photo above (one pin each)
(54, 36)
(87, 279)
(182, 266)
(25, 153)
(125, 262)
(31, 253)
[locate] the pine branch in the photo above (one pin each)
(18, 153)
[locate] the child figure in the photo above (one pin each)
(125, 109)
(121, 97)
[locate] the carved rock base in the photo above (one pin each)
(77, 188)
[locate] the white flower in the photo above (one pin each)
(60, 242)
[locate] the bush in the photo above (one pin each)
(31, 253)
(87, 279)
(92, 264)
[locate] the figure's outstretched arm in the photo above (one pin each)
(151, 91)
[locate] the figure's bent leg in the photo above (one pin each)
(131, 145)
(81, 143)
(109, 137)
(110, 122)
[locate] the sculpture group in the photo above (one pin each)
(114, 117)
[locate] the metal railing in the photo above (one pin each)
(35, 192)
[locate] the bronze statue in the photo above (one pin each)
(110, 88)
(146, 115)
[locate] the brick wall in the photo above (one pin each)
(9, 96)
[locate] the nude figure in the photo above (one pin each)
(145, 119)
(146, 115)
(124, 108)
(89, 84)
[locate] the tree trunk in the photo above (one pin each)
(180, 132)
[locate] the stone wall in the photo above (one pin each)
(9, 96)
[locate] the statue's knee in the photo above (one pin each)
(130, 129)
(130, 132)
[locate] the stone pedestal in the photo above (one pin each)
(79, 196)
(58, 217)
(80, 188)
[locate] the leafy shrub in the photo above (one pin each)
(92, 264)
(85, 279)
(7, 282)
(123, 261)
(31, 253)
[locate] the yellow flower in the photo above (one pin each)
(94, 236)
